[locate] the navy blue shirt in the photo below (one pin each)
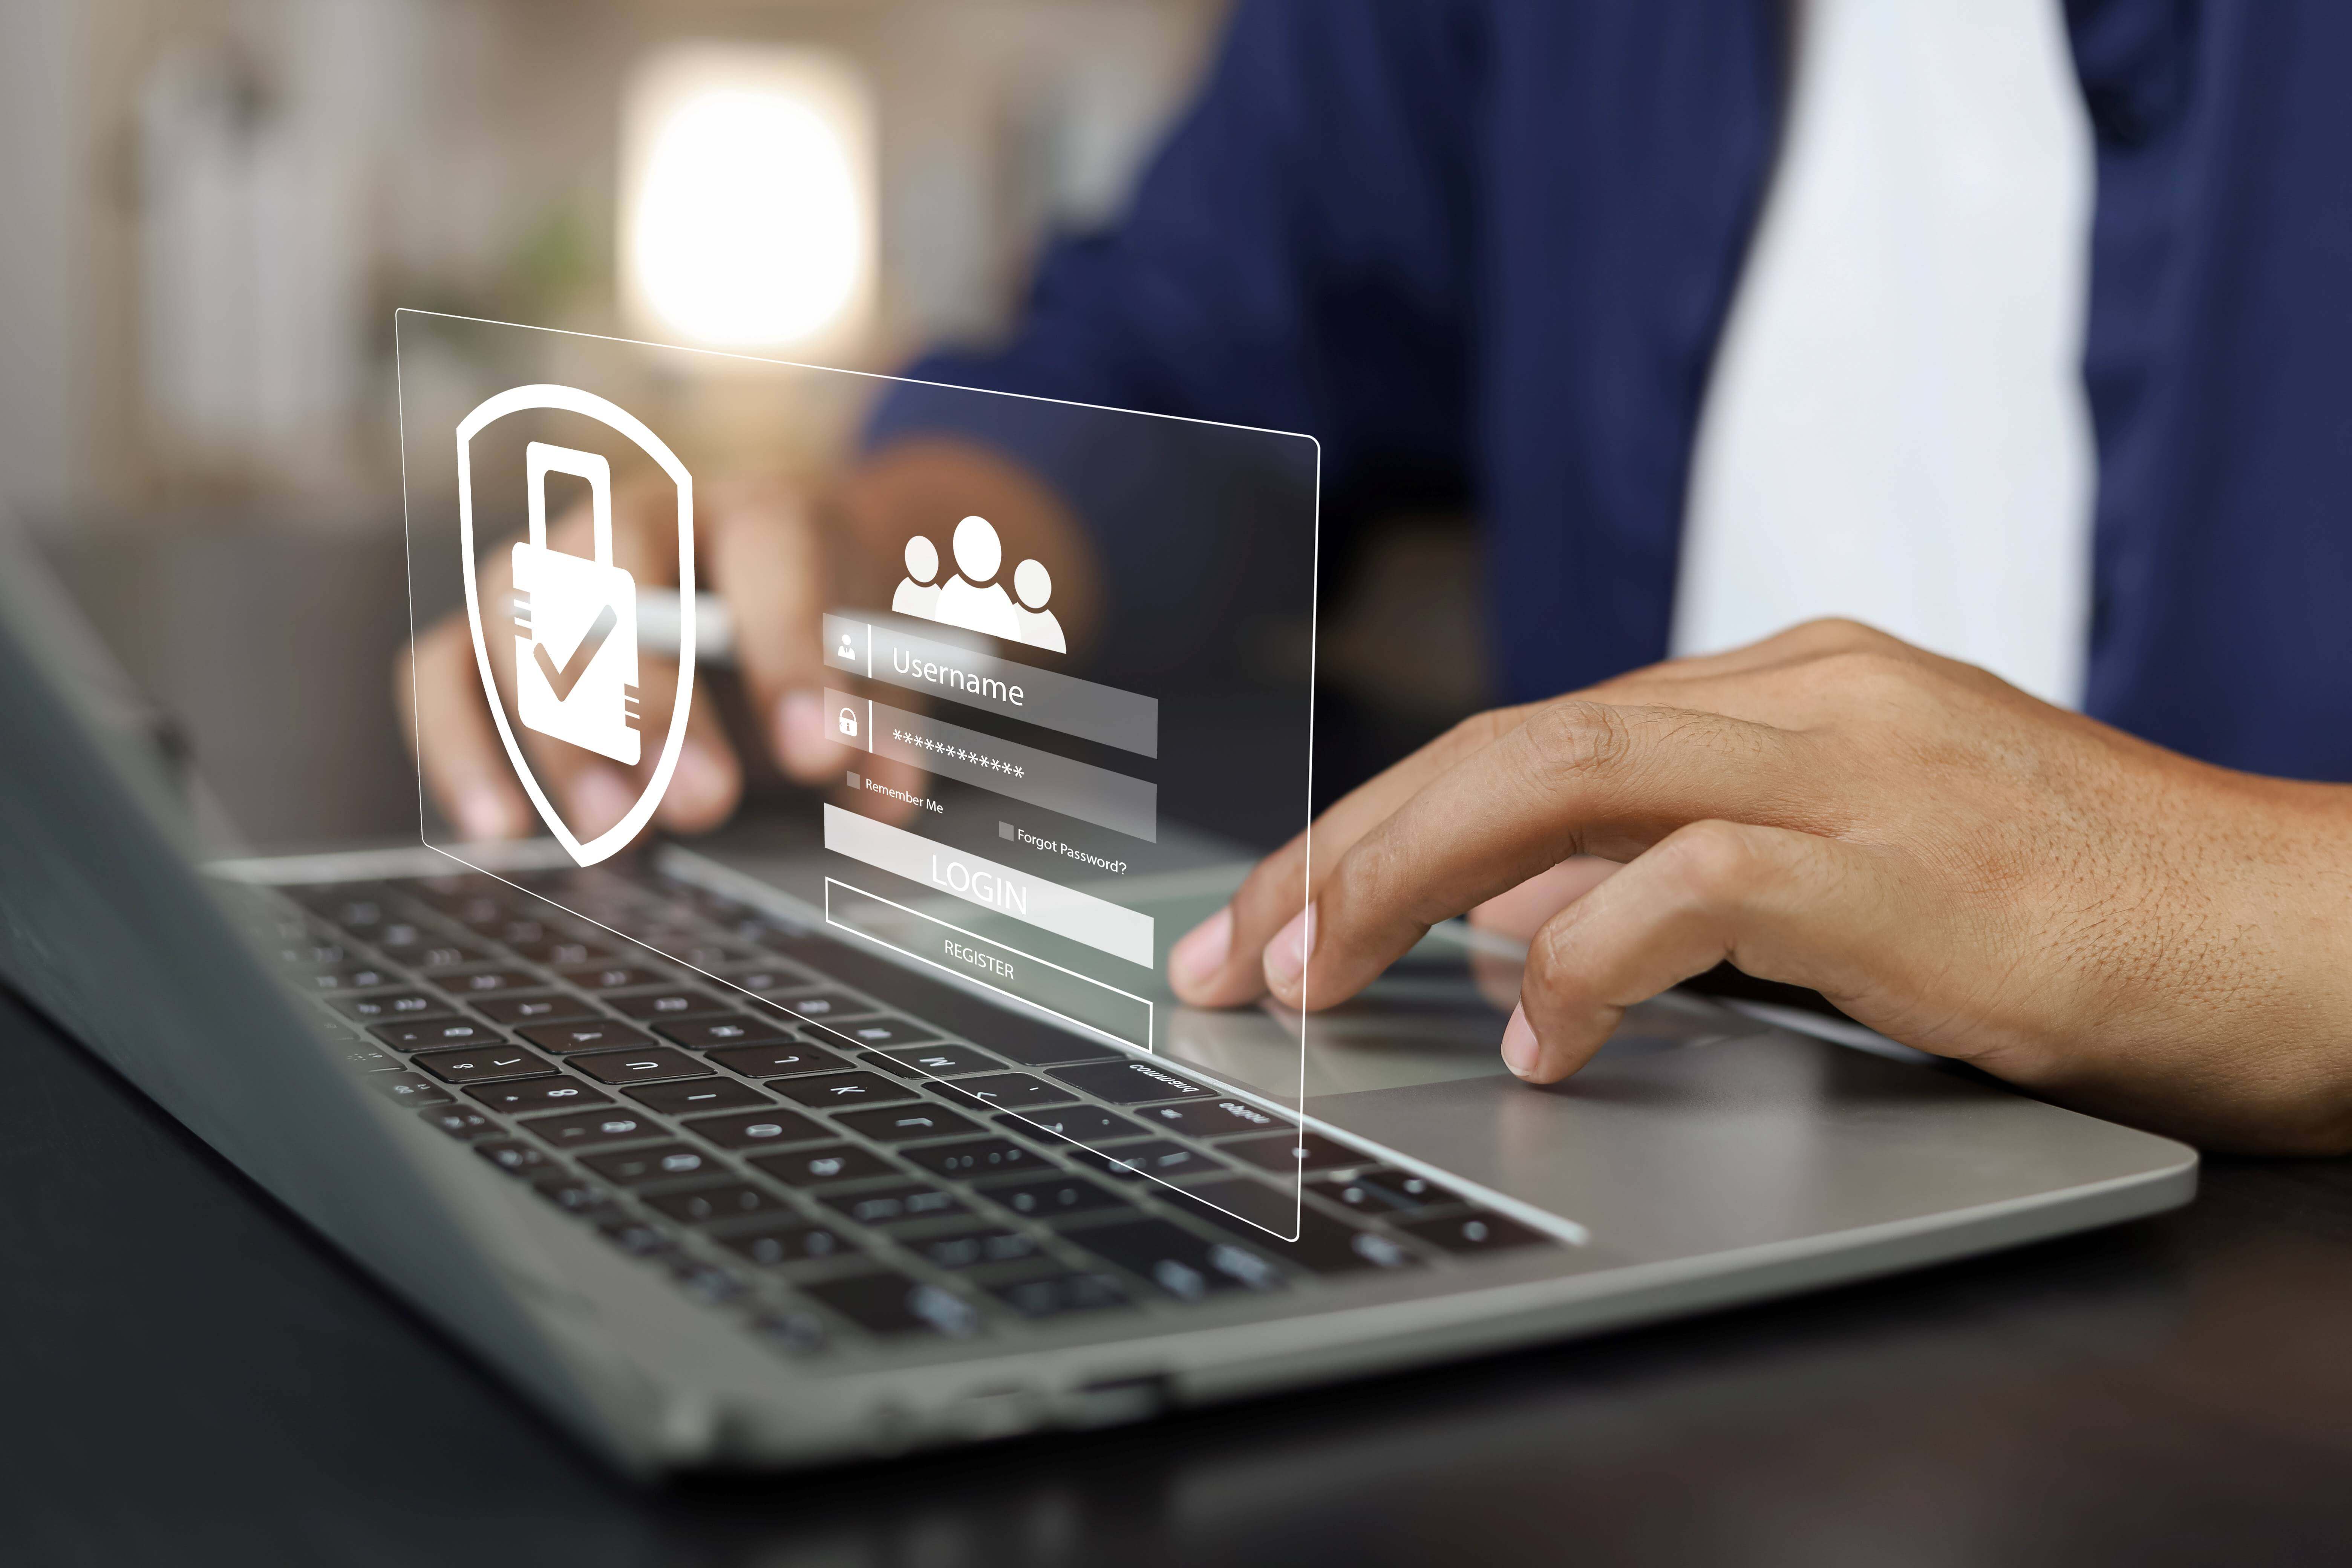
(1486, 249)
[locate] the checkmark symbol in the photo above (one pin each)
(561, 678)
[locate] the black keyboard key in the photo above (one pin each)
(1028, 1044)
(1007, 1091)
(874, 1034)
(1059, 1293)
(769, 977)
(1212, 1118)
(977, 1157)
(1132, 1082)
(887, 1205)
(367, 1058)
(678, 1002)
(1385, 1191)
(427, 951)
(820, 1006)
(712, 1034)
(758, 1129)
(407, 1088)
(706, 1282)
(843, 1089)
(485, 982)
(1185, 1266)
(778, 1060)
(794, 1334)
(725, 1200)
(894, 1304)
(486, 1064)
(939, 1061)
(358, 979)
(970, 1248)
(702, 953)
(662, 1162)
(533, 1009)
(904, 1124)
(1079, 1123)
(786, 1241)
(696, 1095)
(1248, 1210)
(611, 977)
(525, 1095)
(514, 1156)
(355, 909)
(386, 1005)
(1159, 1157)
(637, 1237)
(593, 1035)
(594, 1129)
(832, 1163)
(576, 1195)
(1284, 1153)
(429, 1033)
(564, 951)
(652, 1064)
(1476, 1233)
(1045, 1197)
(460, 1122)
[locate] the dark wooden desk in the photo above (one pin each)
(190, 1377)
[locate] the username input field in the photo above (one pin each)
(881, 651)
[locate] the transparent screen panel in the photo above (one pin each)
(1009, 710)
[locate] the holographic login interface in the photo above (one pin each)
(1057, 748)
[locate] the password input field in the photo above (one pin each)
(1107, 799)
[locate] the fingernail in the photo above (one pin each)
(483, 812)
(802, 739)
(698, 785)
(1286, 955)
(1520, 1046)
(1196, 959)
(600, 798)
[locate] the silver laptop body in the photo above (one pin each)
(1707, 1157)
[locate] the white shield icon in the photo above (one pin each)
(589, 608)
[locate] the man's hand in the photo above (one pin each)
(778, 554)
(1954, 864)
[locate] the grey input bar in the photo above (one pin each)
(1090, 793)
(1066, 994)
(882, 651)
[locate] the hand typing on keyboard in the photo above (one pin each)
(1955, 864)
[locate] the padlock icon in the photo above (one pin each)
(849, 723)
(575, 621)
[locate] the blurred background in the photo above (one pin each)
(214, 207)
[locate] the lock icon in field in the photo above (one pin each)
(575, 621)
(849, 723)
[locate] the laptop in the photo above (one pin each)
(723, 1176)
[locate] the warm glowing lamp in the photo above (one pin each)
(747, 213)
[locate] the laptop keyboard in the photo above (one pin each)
(850, 1173)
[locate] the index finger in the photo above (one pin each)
(1218, 963)
(1576, 777)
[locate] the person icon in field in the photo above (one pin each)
(973, 598)
(919, 592)
(1031, 586)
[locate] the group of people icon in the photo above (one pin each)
(973, 598)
